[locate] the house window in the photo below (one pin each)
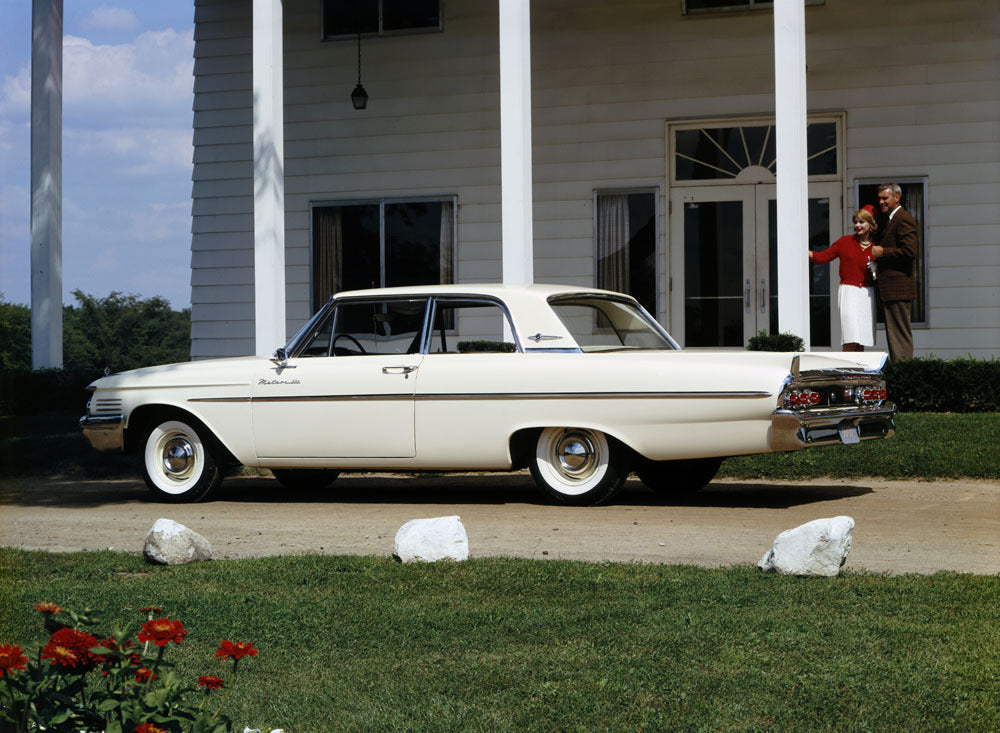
(722, 153)
(345, 18)
(696, 7)
(385, 243)
(914, 200)
(625, 238)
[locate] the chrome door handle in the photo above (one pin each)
(398, 369)
(763, 295)
(746, 296)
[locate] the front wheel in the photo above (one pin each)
(579, 466)
(679, 477)
(178, 464)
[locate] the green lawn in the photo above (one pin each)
(358, 644)
(926, 445)
(931, 445)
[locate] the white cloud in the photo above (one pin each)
(106, 17)
(15, 94)
(154, 71)
(126, 165)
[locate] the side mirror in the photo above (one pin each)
(280, 357)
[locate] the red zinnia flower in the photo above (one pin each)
(144, 675)
(151, 609)
(149, 728)
(211, 682)
(160, 631)
(236, 650)
(70, 649)
(11, 658)
(47, 607)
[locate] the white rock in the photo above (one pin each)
(171, 543)
(819, 547)
(429, 540)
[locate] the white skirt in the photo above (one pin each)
(857, 315)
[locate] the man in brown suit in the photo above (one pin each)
(897, 288)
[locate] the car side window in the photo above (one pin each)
(470, 326)
(377, 327)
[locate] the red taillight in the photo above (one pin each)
(802, 399)
(873, 395)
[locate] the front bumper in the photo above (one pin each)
(105, 432)
(795, 430)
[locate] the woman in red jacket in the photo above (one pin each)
(856, 297)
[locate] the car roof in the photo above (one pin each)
(498, 290)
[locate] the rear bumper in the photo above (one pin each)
(105, 432)
(792, 430)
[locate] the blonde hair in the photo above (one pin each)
(867, 218)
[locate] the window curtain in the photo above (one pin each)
(446, 243)
(613, 242)
(328, 254)
(913, 201)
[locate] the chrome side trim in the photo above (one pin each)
(106, 433)
(220, 399)
(459, 396)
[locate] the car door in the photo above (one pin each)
(349, 391)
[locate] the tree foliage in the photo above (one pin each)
(116, 332)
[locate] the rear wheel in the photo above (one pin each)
(305, 478)
(180, 463)
(680, 477)
(579, 466)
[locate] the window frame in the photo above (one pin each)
(751, 6)
(657, 248)
(837, 119)
(381, 32)
(382, 203)
(921, 245)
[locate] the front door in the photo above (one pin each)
(724, 263)
(349, 393)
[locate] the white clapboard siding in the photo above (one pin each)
(606, 77)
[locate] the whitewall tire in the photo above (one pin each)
(177, 462)
(578, 465)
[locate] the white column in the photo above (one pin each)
(515, 141)
(268, 177)
(792, 172)
(46, 184)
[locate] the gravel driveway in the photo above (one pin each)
(901, 526)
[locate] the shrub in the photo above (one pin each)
(765, 341)
(467, 347)
(935, 385)
(108, 682)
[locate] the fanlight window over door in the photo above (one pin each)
(746, 152)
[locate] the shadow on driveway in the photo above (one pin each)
(421, 489)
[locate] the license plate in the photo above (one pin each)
(849, 434)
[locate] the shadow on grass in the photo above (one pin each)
(420, 489)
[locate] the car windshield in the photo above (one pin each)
(608, 324)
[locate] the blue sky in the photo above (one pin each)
(127, 94)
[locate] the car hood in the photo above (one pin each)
(209, 372)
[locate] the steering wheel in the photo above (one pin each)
(333, 344)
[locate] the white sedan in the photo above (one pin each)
(580, 385)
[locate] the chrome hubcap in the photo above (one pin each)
(576, 455)
(178, 456)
